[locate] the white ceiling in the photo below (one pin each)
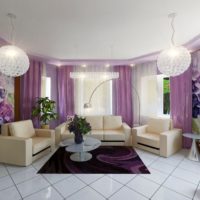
(98, 29)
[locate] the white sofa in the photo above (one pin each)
(21, 144)
(158, 136)
(109, 129)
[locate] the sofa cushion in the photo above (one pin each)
(112, 122)
(114, 135)
(96, 122)
(66, 135)
(156, 125)
(40, 143)
(149, 139)
(22, 129)
(98, 134)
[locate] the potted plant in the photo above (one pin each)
(79, 126)
(44, 110)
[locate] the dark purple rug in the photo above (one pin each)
(105, 160)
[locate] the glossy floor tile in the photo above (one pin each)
(173, 178)
(106, 186)
(69, 186)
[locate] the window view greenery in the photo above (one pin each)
(166, 95)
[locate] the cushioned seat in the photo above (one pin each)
(21, 144)
(67, 135)
(40, 143)
(149, 139)
(98, 134)
(158, 136)
(116, 135)
(109, 129)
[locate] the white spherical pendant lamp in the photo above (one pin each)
(13, 61)
(175, 60)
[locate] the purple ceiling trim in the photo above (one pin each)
(192, 45)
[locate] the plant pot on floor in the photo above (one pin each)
(45, 126)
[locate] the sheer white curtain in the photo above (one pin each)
(83, 88)
(145, 83)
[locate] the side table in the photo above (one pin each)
(194, 152)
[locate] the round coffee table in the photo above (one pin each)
(80, 151)
(194, 152)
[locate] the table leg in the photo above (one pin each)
(81, 157)
(194, 153)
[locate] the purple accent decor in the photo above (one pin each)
(65, 93)
(181, 103)
(122, 94)
(30, 84)
(105, 160)
(196, 84)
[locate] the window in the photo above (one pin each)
(155, 96)
(163, 84)
(101, 100)
(46, 87)
(166, 96)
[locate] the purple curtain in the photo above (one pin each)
(122, 94)
(65, 93)
(30, 89)
(181, 103)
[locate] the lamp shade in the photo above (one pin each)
(174, 61)
(13, 61)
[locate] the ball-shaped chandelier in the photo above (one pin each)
(13, 61)
(175, 60)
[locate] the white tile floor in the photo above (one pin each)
(174, 178)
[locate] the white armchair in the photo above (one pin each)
(21, 144)
(158, 136)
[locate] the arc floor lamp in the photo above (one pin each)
(112, 76)
(89, 104)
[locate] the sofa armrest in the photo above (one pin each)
(46, 133)
(58, 132)
(170, 142)
(127, 131)
(15, 150)
(137, 131)
(140, 129)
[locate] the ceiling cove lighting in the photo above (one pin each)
(132, 65)
(175, 60)
(107, 65)
(84, 65)
(13, 60)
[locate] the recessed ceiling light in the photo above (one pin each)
(132, 65)
(83, 65)
(59, 64)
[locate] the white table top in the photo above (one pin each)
(89, 144)
(192, 135)
(67, 142)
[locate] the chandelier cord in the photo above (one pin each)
(173, 30)
(12, 30)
